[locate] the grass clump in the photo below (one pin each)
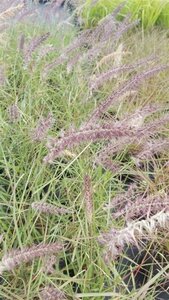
(150, 12)
(79, 151)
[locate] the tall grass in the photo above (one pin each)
(76, 160)
(150, 12)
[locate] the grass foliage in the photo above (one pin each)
(150, 12)
(77, 186)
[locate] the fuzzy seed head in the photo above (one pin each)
(88, 198)
(16, 257)
(52, 293)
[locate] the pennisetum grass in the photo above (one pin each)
(134, 82)
(32, 46)
(16, 257)
(121, 120)
(10, 12)
(142, 206)
(51, 293)
(2, 76)
(88, 198)
(98, 81)
(120, 201)
(103, 36)
(14, 113)
(116, 239)
(102, 132)
(48, 264)
(152, 147)
(145, 148)
(50, 209)
(44, 124)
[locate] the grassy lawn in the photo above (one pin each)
(94, 145)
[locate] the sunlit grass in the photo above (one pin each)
(150, 12)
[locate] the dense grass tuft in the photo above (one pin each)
(84, 176)
(150, 12)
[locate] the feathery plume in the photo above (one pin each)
(44, 51)
(126, 25)
(94, 52)
(152, 147)
(95, 39)
(152, 127)
(33, 45)
(2, 76)
(113, 15)
(89, 135)
(102, 37)
(104, 132)
(10, 12)
(52, 293)
(105, 30)
(118, 9)
(49, 67)
(81, 40)
(116, 239)
(48, 264)
(13, 113)
(115, 56)
(107, 163)
(102, 78)
(88, 198)
(120, 200)
(16, 257)
(71, 63)
(43, 207)
(134, 82)
(113, 148)
(143, 206)
(148, 149)
(136, 119)
(40, 132)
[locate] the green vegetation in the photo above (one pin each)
(150, 12)
(39, 101)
